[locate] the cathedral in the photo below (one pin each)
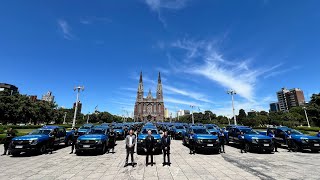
(149, 108)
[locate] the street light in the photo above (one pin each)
(192, 106)
(171, 117)
(233, 92)
(88, 117)
(64, 118)
(76, 109)
(305, 112)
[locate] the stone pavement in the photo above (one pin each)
(232, 165)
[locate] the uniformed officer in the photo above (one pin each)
(192, 142)
(7, 142)
(242, 142)
(74, 139)
(165, 144)
(112, 140)
(289, 141)
(274, 140)
(222, 140)
(149, 147)
(52, 137)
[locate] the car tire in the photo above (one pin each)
(247, 147)
(103, 150)
(295, 147)
(42, 149)
(15, 154)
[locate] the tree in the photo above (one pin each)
(242, 116)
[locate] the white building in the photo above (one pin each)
(48, 97)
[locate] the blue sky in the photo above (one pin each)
(202, 48)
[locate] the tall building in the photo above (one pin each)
(183, 112)
(290, 98)
(33, 98)
(274, 107)
(8, 87)
(166, 113)
(48, 97)
(149, 108)
(79, 106)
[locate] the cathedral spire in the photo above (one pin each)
(159, 78)
(140, 81)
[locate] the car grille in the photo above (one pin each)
(264, 140)
(87, 141)
(22, 142)
(209, 141)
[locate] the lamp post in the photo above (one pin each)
(64, 118)
(305, 112)
(88, 117)
(192, 106)
(233, 92)
(77, 102)
(171, 117)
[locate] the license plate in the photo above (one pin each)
(266, 145)
(19, 147)
(316, 145)
(86, 146)
(209, 144)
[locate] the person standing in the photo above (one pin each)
(289, 141)
(130, 144)
(222, 140)
(149, 147)
(165, 144)
(52, 137)
(7, 142)
(274, 141)
(112, 140)
(74, 139)
(242, 142)
(192, 143)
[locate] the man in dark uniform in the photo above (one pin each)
(112, 140)
(165, 144)
(52, 137)
(222, 140)
(7, 141)
(149, 147)
(192, 143)
(289, 141)
(74, 139)
(242, 142)
(274, 141)
(126, 132)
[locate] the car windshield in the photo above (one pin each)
(41, 131)
(249, 131)
(153, 131)
(179, 127)
(200, 131)
(211, 127)
(117, 127)
(293, 131)
(97, 131)
(84, 127)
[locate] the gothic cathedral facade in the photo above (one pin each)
(149, 108)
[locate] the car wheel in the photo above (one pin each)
(247, 147)
(15, 154)
(103, 150)
(42, 149)
(295, 147)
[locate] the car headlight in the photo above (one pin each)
(158, 140)
(141, 140)
(78, 141)
(304, 140)
(98, 141)
(200, 140)
(33, 142)
(254, 140)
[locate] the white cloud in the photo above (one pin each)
(187, 93)
(276, 73)
(66, 29)
(179, 101)
(158, 5)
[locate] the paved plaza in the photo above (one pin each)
(231, 165)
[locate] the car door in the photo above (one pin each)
(281, 136)
(236, 134)
(62, 134)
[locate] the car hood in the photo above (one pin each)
(83, 130)
(143, 136)
(299, 136)
(205, 136)
(118, 130)
(92, 137)
(256, 136)
(213, 130)
(31, 137)
(180, 130)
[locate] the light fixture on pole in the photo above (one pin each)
(233, 92)
(305, 113)
(78, 89)
(64, 118)
(88, 117)
(192, 106)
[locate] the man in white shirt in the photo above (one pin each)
(130, 144)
